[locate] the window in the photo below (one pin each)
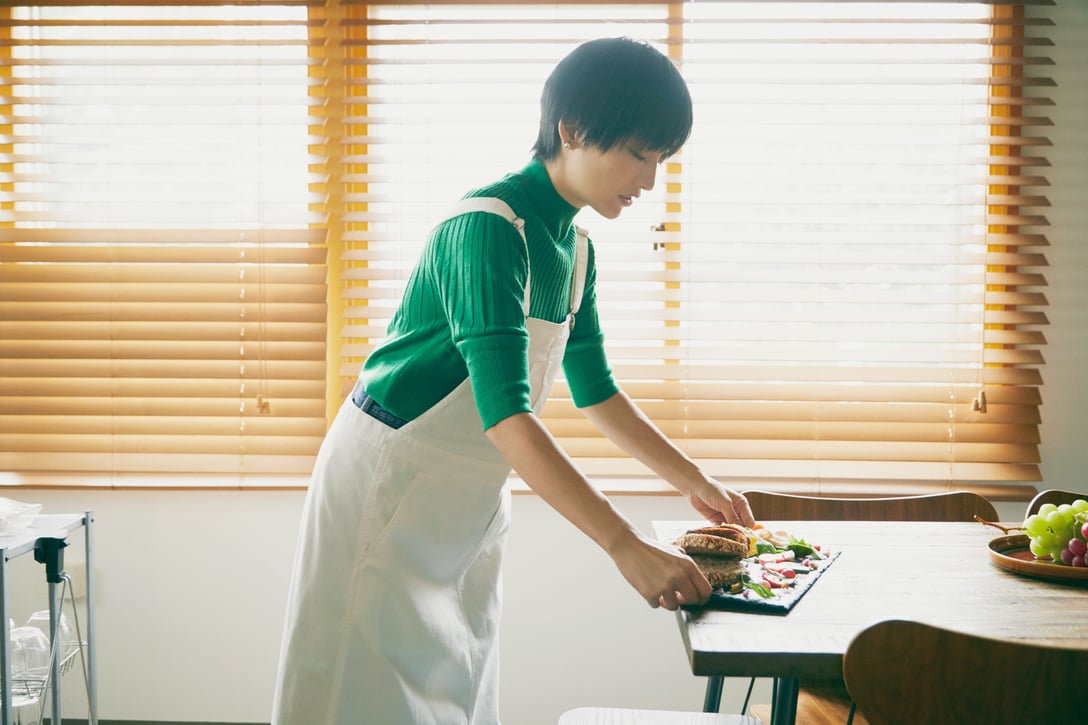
(837, 280)
(161, 256)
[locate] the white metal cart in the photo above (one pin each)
(46, 537)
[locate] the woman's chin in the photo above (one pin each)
(612, 211)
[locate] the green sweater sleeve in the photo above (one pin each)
(480, 266)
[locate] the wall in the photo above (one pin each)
(191, 584)
(1065, 395)
(191, 589)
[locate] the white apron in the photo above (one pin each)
(395, 599)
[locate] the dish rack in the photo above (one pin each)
(33, 688)
(46, 537)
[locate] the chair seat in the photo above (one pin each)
(623, 716)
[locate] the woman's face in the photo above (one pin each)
(607, 181)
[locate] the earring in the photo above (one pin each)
(566, 145)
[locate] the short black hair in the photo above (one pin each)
(613, 90)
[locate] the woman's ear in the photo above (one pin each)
(568, 135)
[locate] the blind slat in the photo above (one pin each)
(697, 398)
(192, 462)
(72, 376)
(816, 470)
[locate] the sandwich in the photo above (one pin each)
(718, 551)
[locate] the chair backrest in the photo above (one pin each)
(1052, 495)
(947, 506)
(905, 673)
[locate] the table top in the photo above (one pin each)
(934, 572)
(44, 526)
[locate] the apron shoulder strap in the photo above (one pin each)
(492, 205)
(581, 264)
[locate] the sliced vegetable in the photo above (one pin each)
(787, 570)
(802, 549)
(758, 589)
(765, 547)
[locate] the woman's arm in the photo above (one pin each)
(626, 426)
(661, 573)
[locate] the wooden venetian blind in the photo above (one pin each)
(162, 261)
(840, 277)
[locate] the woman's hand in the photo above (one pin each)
(661, 573)
(719, 504)
(626, 426)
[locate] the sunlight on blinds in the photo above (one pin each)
(162, 117)
(166, 305)
(834, 244)
(838, 185)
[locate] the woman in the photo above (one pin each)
(395, 596)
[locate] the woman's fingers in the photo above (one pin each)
(693, 588)
(721, 505)
(742, 510)
(662, 573)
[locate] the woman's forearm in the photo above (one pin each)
(627, 426)
(660, 572)
(541, 463)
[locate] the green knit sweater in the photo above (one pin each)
(461, 315)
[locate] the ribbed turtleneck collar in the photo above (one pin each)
(554, 210)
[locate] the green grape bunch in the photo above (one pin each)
(1060, 533)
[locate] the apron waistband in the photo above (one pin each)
(370, 406)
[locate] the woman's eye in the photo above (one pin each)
(641, 157)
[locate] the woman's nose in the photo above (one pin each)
(648, 177)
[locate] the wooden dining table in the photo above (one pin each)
(934, 572)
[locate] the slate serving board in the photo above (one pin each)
(784, 599)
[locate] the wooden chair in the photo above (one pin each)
(1055, 496)
(823, 703)
(623, 716)
(905, 673)
(949, 506)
